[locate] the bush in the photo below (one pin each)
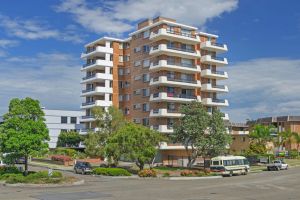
(166, 174)
(186, 173)
(9, 170)
(293, 154)
(111, 171)
(147, 173)
(61, 158)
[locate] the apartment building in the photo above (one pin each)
(61, 120)
(240, 138)
(283, 123)
(149, 75)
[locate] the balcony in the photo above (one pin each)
(97, 77)
(163, 128)
(208, 73)
(212, 46)
(171, 97)
(171, 66)
(91, 104)
(225, 116)
(167, 81)
(164, 34)
(214, 88)
(87, 118)
(174, 51)
(215, 102)
(97, 51)
(213, 60)
(85, 131)
(163, 112)
(97, 64)
(99, 90)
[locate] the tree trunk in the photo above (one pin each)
(26, 165)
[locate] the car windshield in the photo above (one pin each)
(86, 164)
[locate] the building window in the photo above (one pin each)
(244, 139)
(137, 92)
(126, 58)
(146, 92)
(146, 63)
(136, 106)
(120, 58)
(146, 121)
(64, 120)
(137, 63)
(121, 72)
(137, 77)
(137, 49)
(146, 78)
(146, 48)
(73, 120)
(126, 111)
(146, 107)
(137, 120)
(127, 97)
(146, 34)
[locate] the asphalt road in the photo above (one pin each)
(282, 185)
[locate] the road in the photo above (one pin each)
(265, 185)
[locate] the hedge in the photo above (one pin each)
(111, 171)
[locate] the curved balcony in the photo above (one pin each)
(97, 64)
(171, 97)
(87, 118)
(214, 88)
(215, 102)
(212, 46)
(174, 51)
(164, 112)
(97, 51)
(213, 60)
(208, 73)
(163, 128)
(99, 90)
(97, 77)
(164, 34)
(171, 66)
(167, 81)
(91, 104)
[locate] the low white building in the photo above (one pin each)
(61, 120)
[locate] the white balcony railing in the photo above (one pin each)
(171, 34)
(97, 63)
(164, 80)
(212, 46)
(208, 73)
(172, 66)
(174, 51)
(97, 90)
(214, 88)
(209, 59)
(99, 50)
(102, 103)
(164, 96)
(97, 77)
(164, 112)
(215, 102)
(163, 128)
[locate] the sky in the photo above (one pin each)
(41, 43)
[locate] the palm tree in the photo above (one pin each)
(285, 138)
(260, 136)
(296, 139)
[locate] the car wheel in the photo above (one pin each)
(246, 171)
(82, 172)
(286, 168)
(75, 171)
(277, 168)
(231, 173)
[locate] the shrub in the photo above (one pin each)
(147, 173)
(166, 174)
(14, 178)
(9, 170)
(61, 158)
(293, 154)
(111, 171)
(186, 173)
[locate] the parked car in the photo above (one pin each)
(20, 160)
(277, 165)
(82, 167)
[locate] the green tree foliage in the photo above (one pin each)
(24, 131)
(296, 139)
(284, 138)
(107, 122)
(68, 139)
(135, 142)
(200, 133)
(260, 135)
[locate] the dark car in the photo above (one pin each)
(82, 168)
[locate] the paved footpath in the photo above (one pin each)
(265, 185)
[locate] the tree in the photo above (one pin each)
(296, 139)
(260, 135)
(284, 138)
(68, 139)
(218, 138)
(191, 130)
(107, 122)
(135, 142)
(24, 131)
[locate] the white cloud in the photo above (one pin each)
(264, 87)
(33, 30)
(4, 43)
(117, 16)
(53, 78)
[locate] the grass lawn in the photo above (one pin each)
(292, 162)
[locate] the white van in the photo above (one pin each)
(230, 165)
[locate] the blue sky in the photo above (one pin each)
(41, 42)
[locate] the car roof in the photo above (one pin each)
(227, 157)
